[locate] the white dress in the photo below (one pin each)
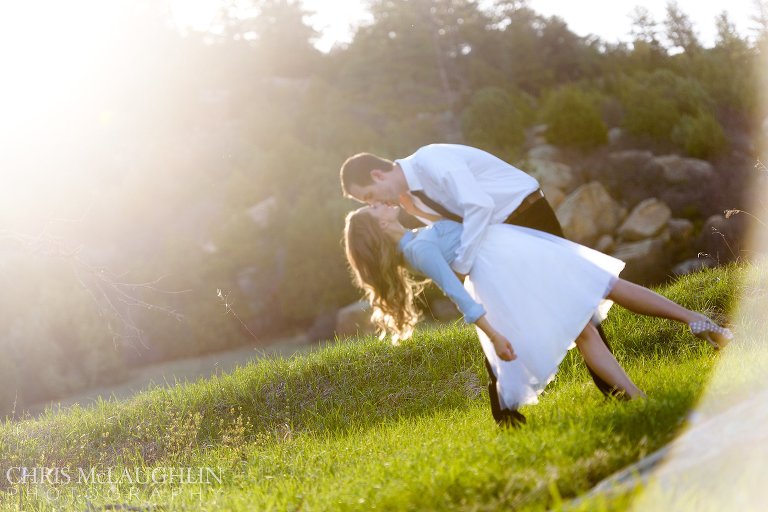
(537, 289)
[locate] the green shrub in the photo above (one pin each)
(493, 120)
(655, 102)
(573, 119)
(701, 136)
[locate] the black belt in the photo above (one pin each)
(529, 200)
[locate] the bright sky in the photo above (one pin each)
(608, 19)
(611, 21)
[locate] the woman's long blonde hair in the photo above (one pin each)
(379, 270)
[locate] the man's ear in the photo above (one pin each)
(377, 174)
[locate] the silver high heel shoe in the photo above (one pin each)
(706, 328)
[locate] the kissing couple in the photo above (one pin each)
(493, 245)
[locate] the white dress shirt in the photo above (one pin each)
(471, 183)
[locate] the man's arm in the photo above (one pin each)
(456, 181)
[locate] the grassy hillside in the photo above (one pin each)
(361, 424)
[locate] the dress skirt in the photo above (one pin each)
(540, 291)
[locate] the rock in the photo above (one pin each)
(543, 152)
(553, 174)
(443, 309)
(554, 196)
(322, 328)
(614, 135)
(681, 237)
(647, 260)
(629, 176)
(647, 219)
(354, 319)
(589, 213)
(687, 185)
(535, 136)
(679, 170)
(693, 265)
(681, 230)
(556, 179)
(605, 244)
(721, 238)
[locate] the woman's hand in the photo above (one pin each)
(501, 345)
(503, 348)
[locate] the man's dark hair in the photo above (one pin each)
(356, 170)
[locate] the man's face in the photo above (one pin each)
(380, 191)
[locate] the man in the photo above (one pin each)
(465, 184)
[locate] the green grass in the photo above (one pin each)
(361, 424)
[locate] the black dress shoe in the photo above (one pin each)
(510, 419)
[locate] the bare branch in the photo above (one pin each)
(114, 297)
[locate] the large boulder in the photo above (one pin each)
(647, 260)
(543, 152)
(443, 310)
(554, 196)
(553, 174)
(681, 238)
(556, 179)
(629, 176)
(647, 219)
(605, 244)
(535, 136)
(692, 265)
(686, 184)
(354, 319)
(722, 237)
(589, 213)
(681, 230)
(677, 170)
(615, 135)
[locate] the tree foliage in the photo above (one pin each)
(493, 120)
(573, 119)
(655, 102)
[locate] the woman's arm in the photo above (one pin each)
(425, 257)
(500, 343)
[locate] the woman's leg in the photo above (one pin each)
(639, 299)
(646, 302)
(602, 362)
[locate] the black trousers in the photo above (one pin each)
(541, 216)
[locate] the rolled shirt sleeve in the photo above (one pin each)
(476, 209)
(449, 180)
(425, 257)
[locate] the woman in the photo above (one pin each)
(531, 295)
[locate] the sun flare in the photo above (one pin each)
(196, 15)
